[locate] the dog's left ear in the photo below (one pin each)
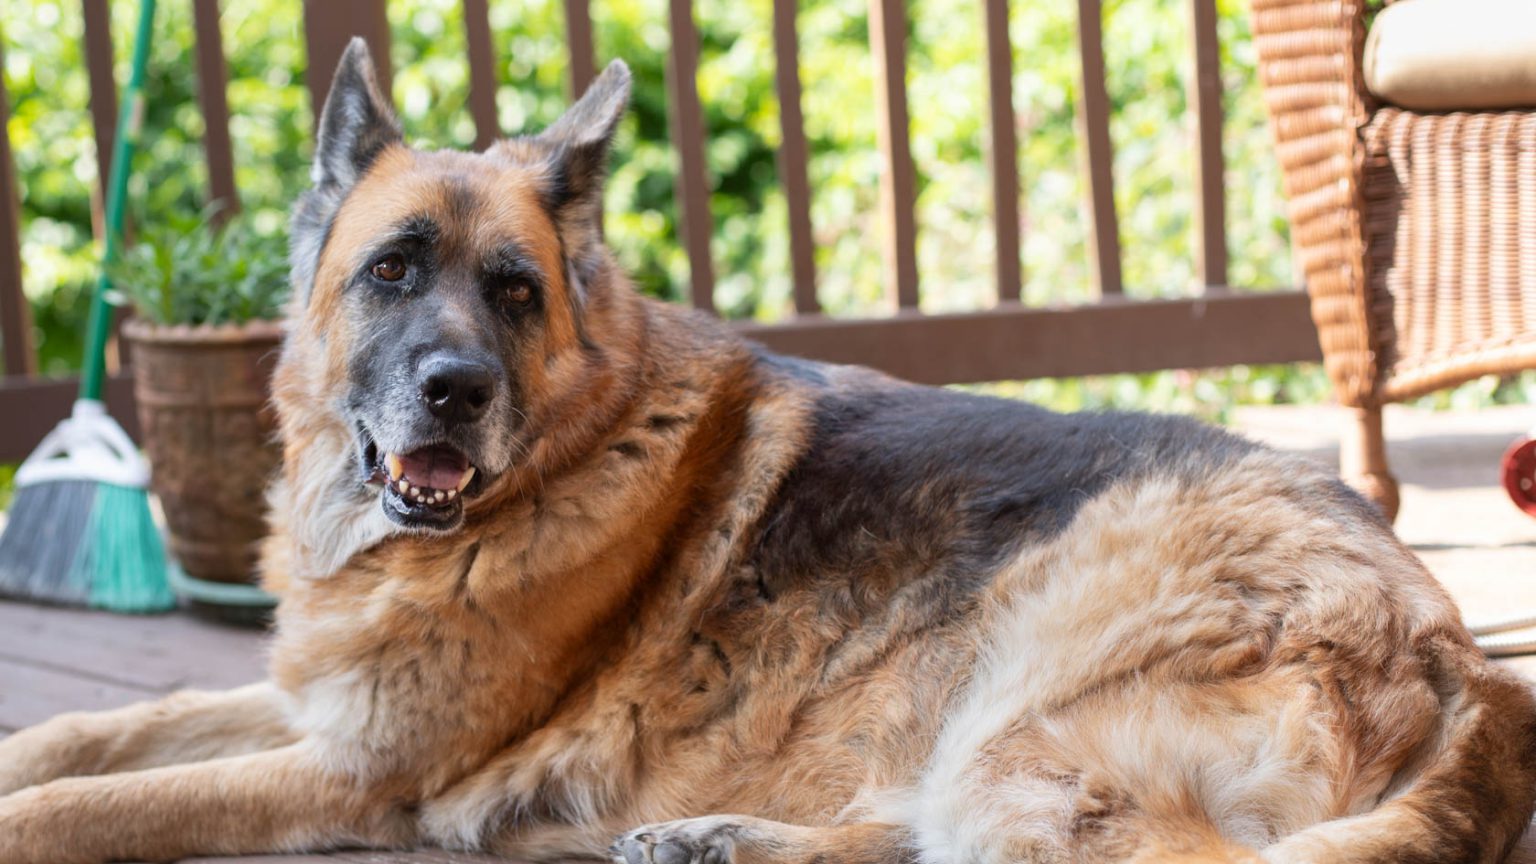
(578, 145)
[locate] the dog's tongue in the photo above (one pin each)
(434, 467)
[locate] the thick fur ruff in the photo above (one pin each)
(714, 605)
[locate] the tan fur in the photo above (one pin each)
(1213, 671)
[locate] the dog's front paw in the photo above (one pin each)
(708, 840)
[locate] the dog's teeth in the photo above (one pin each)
(452, 494)
(394, 466)
(468, 476)
(416, 491)
(404, 486)
(438, 496)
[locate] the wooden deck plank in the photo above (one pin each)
(30, 694)
(158, 653)
(264, 859)
(429, 856)
(426, 856)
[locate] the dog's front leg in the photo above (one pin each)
(279, 800)
(190, 726)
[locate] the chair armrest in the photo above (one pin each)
(1309, 64)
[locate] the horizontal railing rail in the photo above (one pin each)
(1220, 327)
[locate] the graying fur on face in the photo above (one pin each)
(356, 124)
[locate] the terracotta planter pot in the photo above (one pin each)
(209, 429)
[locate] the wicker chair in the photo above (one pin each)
(1416, 231)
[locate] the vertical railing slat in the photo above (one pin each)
(1205, 98)
(482, 72)
(578, 41)
(328, 26)
(15, 316)
(99, 60)
(688, 137)
(898, 184)
(1004, 151)
(1093, 115)
(212, 97)
(793, 157)
(103, 87)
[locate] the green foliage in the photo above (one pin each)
(271, 121)
(1147, 67)
(186, 270)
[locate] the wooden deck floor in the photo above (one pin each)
(1454, 515)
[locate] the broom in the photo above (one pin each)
(79, 529)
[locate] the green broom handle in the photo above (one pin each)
(130, 120)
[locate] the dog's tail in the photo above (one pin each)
(1471, 797)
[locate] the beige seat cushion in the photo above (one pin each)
(1449, 55)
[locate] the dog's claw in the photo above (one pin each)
(670, 843)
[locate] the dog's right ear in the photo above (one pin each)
(356, 124)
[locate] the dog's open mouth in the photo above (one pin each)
(423, 488)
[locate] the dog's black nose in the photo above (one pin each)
(456, 390)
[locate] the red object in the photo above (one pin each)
(1519, 466)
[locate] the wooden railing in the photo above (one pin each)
(1220, 327)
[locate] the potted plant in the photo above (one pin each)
(204, 340)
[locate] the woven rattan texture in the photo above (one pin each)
(1450, 237)
(1416, 233)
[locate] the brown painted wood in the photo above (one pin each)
(424, 856)
(1093, 120)
(692, 190)
(99, 64)
(328, 26)
(482, 72)
(794, 157)
(268, 860)
(32, 406)
(1004, 151)
(1205, 100)
(16, 347)
(32, 694)
(578, 41)
(898, 181)
(147, 652)
(275, 858)
(212, 86)
(1014, 342)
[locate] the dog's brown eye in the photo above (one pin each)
(390, 268)
(519, 292)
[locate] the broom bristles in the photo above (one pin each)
(122, 562)
(44, 529)
(81, 542)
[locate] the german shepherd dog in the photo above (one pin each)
(567, 573)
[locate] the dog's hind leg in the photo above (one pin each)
(190, 726)
(746, 840)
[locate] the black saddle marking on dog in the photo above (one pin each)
(900, 483)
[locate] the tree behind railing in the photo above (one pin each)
(1221, 327)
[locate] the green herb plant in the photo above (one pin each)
(195, 270)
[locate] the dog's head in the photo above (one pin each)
(445, 293)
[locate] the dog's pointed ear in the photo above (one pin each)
(578, 144)
(356, 124)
